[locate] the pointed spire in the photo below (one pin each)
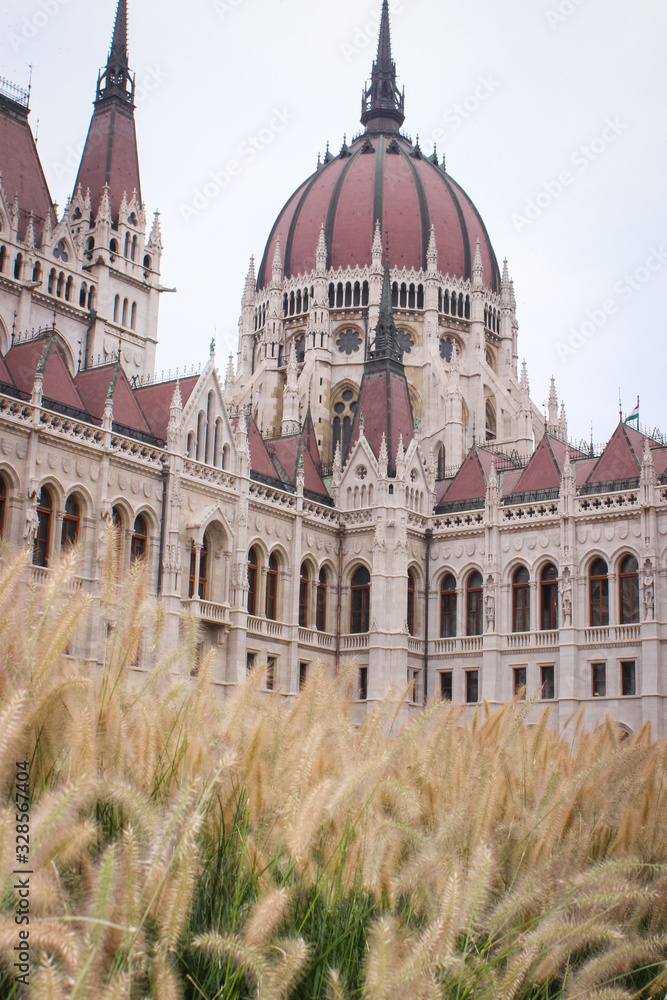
(292, 367)
(383, 458)
(382, 104)
(176, 399)
(115, 78)
(277, 266)
(524, 383)
(432, 253)
(648, 476)
(562, 423)
(553, 405)
(400, 459)
(567, 487)
(321, 252)
(175, 411)
(155, 238)
(104, 212)
(250, 284)
(492, 489)
(30, 232)
(376, 249)
(478, 267)
(386, 337)
(506, 274)
(229, 377)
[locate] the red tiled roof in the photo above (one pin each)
(409, 195)
(469, 483)
(58, 384)
(5, 375)
(543, 471)
(384, 401)
(155, 402)
(94, 387)
(110, 157)
(260, 460)
(22, 172)
(287, 451)
(621, 459)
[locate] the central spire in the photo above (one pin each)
(115, 78)
(382, 103)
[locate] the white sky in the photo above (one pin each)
(212, 73)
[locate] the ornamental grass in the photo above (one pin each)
(187, 847)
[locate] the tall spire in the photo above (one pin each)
(382, 104)
(114, 80)
(386, 343)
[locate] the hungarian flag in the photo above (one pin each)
(634, 415)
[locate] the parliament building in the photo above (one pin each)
(369, 481)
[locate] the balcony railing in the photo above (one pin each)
(349, 643)
(217, 614)
(612, 633)
(463, 644)
(266, 626)
(310, 637)
(40, 576)
(532, 640)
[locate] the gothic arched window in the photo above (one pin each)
(474, 600)
(139, 539)
(304, 585)
(253, 566)
(448, 607)
(411, 602)
(521, 600)
(322, 587)
(599, 593)
(549, 598)
(272, 588)
(71, 522)
(361, 600)
(629, 591)
(40, 550)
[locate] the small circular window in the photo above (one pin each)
(448, 349)
(362, 472)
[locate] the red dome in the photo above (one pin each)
(387, 178)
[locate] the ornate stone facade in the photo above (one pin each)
(370, 482)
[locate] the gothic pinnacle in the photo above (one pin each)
(277, 266)
(478, 267)
(321, 252)
(432, 252)
(250, 283)
(382, 104)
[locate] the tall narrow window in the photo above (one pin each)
(40, 550)
(599, 677)
(116, 309)
(472, 686)
(322, 586)
(360, 603)
(446, 685)
(203, 569)
(139, 539)
(548, 683)
(474, 601)
(411, 602)
(628, 678)
(253, 566)
(448, 607)
(71, 521)
(549, 598)
(599, 593)
(520, 682)
(193, 570)
(303, 675)
(272, 588)
(271, 672)
(3, 504)
(629, 588)
(521, 600)
(304, 586)
(363, 683)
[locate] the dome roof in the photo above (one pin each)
(381, 175)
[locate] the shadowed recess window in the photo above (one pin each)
(411, 602)
(270, 672)
(548, 682)
(304, 585)
(360, 604)
(203, 570)
(549, 598)
(271, 588)
(253, 565)
(472, 686)
(629, 584)
(599, 677)
(71, 521)
(363, 683)
(628, 678)
(139, 539)
(40, 550)
(3, 504)
(520, 682)
(599, 593)
(448, 607)
(303, 675)
(474, 600)
(322, 587)
(521, 600)
(446, 685)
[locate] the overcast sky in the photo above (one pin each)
(551, 114)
